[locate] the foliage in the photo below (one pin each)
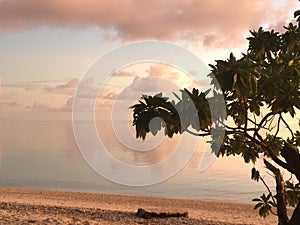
(292, 193)
(262, 96)
(153, 107)
(264, 204)
(255, 174)
(192, 110)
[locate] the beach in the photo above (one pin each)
(25, 206)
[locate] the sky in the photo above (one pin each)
(46, 47)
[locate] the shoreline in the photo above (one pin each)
(63, 207)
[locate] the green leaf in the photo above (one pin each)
(258, 205)
(296, 13)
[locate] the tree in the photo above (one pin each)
(262, 96)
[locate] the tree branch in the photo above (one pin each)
(266, 148)
(262, 125)
(197, 134)
(255, 124)
(262, 179)
(278, 128)
(292, 158)
(265, 119)
(246, 115)
(287, 125)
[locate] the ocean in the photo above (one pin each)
(44, 155)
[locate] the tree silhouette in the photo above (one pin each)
(261, 92)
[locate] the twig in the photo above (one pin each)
(197, 134)
(288, 127)
(262, 179)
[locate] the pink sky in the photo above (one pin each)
(213, 22)
(46, 46)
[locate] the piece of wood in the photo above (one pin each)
(148, 215)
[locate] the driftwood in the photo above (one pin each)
(148, 215)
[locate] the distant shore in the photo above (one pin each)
(25, 206)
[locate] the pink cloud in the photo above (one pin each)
(216, 22)
(68, 105)
(124, 73)
(163, 71)
(88, 88)
(153, 84)
(67, 89)
(158, 77)
(36, 106)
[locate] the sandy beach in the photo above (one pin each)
(24, 206)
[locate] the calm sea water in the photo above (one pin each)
(44, 155)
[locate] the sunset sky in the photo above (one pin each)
(46, 46)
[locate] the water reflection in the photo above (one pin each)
(44, 155)
(134, 157)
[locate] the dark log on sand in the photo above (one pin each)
(148, 215)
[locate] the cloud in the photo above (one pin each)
(163, 71)
(65, 89)
(36, 106)
(153, 84)
(156, 78)
(88, 88)
(30, 85)
(68, 105)
(146, 85)
(86, 92)
(124, 73)
(216, 22)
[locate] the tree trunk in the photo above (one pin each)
(280, 194)
(295, 220)
(292, 158)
